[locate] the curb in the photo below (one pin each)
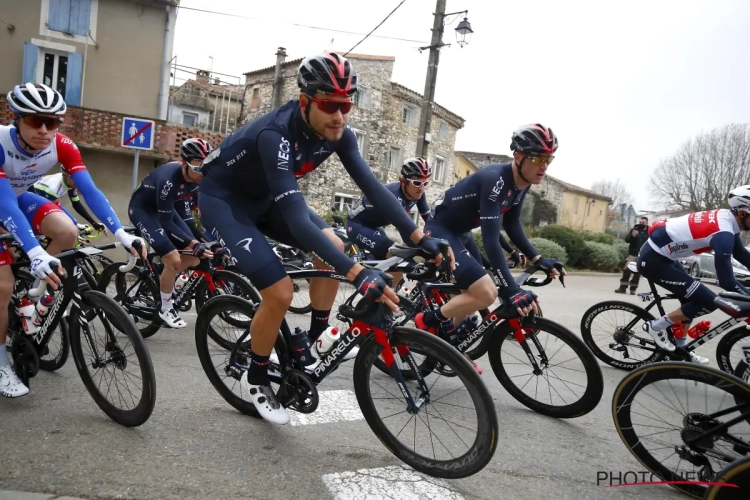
(21, 495)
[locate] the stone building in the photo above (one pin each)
(385, 119)
(214, 106)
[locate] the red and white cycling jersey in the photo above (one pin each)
(690, 234)
(23, 170)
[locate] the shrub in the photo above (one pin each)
(550, 249)
(600, 257)
(569, 239)
(328, 216)
(599, 238)
(622, 254)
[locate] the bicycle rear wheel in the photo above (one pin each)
(565, 364)
(734, 482)
(660, 409)
(301, 303)
(472, 426)
(118, 348)
(729, 351)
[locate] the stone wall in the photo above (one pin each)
(484, 159)
(552, 191)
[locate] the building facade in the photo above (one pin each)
(102, 54)
(468, 162)
(385, 119)
(208, 105)
(577, 208)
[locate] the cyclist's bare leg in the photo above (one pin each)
(323, 290)
(173, 265)
(481, 294)
(61, 231)
(267, 320)
(6, 291)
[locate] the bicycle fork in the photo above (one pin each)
(519, 333)
(412, 406)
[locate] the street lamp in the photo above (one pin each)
(463, 32)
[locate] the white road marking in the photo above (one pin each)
(397, 482)
(335, 406)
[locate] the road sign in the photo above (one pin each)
(137, 133)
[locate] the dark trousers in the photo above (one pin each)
(629, 277)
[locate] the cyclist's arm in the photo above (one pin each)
(287, 196)
(514, 228)
(79, 207)
(423, 207)
(740, 252)
(382, 199)
(489, 220)
(506, 246)
(14, 220)
(168, 219)
(723, 245)
(184, 229)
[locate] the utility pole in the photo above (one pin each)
(429, 87)
(278, 81)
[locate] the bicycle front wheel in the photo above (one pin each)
(457, 412)
(112, 359)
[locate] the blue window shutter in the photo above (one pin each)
(59, 15)
(74, 79)
(30, 56)
(80, 11)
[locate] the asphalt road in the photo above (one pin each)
(57, 441)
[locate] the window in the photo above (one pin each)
(70, 16)
(394, 159)
(575, 206)
(443, 130)
(363, 97)
(409, 115)
(343, 202)
(55, 71)
(189, 119)
(360, 140)
(439, 174)
(255, 103)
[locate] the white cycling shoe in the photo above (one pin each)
(660, 337)
(699, 359)
(10, 385)
(265, 402)
(172, 319)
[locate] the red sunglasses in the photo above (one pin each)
(330, 106)
(36, 121)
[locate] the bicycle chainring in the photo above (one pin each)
(24, 353)
(186, 306)
(298, 391)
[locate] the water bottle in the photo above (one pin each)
(301, 347)
(180, 282)
(327, 339)
(27, 312)
(699, 329)
(42, 308)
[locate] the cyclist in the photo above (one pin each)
(481, 200)
(250, 190)
(672, 239)
(153, 210)
(55, 186)
(365, 224)
(29, 148)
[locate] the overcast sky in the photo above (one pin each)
(621, 85)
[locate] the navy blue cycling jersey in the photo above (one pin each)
(262, 161)
(366, 214)
(481, 200)
(164, 191)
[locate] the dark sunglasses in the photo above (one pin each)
(36, 121)
(330, 107)
(538, 160)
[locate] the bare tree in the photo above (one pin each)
(704, 169)
(614, 189)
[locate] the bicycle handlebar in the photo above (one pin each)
(370, 307)
(125, 268)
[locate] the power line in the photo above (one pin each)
(376, 27)
(303, 25)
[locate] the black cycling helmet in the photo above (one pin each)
(36, 98)
(195, 149)
(416, 168)
(328, 73)
(534, 140)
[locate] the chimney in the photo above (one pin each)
(278, 81)
(217, 81)
(201, 75)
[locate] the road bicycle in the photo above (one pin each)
(114, 364)
(612, 330)
(458, 412)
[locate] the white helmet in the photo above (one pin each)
(36, 98)
(739, 198)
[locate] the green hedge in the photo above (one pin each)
(550, 249)
(600, 257)
(599, 238)
(328, 216)
(569, 239)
